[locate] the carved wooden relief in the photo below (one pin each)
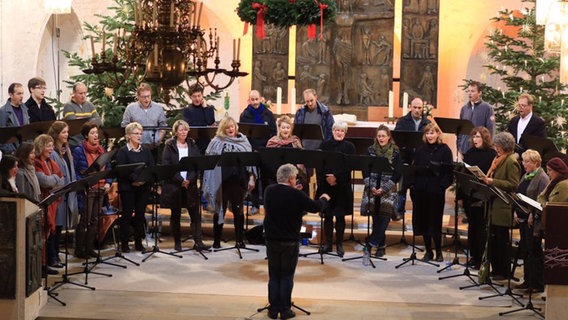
(8, 250)
(33, 253)
(350, 66)
(419, 46)
(270, 63)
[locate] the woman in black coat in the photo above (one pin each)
(336, 183)
(181, 190)
(433, 175)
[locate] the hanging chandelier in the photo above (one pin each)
(168, 45)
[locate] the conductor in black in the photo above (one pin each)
(284, 207)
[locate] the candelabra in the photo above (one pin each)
(167, 45)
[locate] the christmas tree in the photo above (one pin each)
(517, 56)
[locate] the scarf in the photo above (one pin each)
(530, 175)
(49, 168)
(386, 151)
(257, 113)
(92, 152)
(497, 163)
(278, 142)
(31, 178)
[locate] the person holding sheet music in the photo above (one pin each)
(67, 211)
(336, 183)
(285, 139)
(533, 182)
(133, 194)
(49, 177)
(26, 179)
(383, 187)
(90, 204)
(504, 174)
(228, 185)
(433, 175)
(181, 189)
(480, 154)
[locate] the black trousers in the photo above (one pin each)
(282, 261)
(476, 231)
(500, 250)
(133, 202)
(533, 267)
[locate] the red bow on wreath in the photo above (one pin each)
(312, 27)
(261, 8)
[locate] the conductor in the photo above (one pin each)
(284, 207)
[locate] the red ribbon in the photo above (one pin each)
(312, 31)
(260, 33)
(246, 28)
(322, 7)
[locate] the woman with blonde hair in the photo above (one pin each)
(433, 175)
(228, 185)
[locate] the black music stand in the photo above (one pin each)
(491, 193)
(410, 171)
(407, 141)
(239, 159)
(369, 164)
(155, 174)
(110, 133)
(34, 129)
(122, 171)
(457, 127)
(310, 131)
(64, 191)
(463, 182)
(200, 132)
(198, 164)
(75, 125)
(323, 160)
(8, 135)
(254, 130)
(545, 147)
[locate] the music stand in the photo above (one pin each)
(238, 159)
(64, 191)
(8, 135)
(198, 164)
(463, 182)
(407, 141)
(545, 147)
(155, 174)
(370, 164)
(200, 132)
(75, 125)
(32, 130)
(111, 132)
(410, 171)
(457, 127)
(254, 130)
(323, 160)
(310, 131)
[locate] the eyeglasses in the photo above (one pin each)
(40, 87)
(521, 105)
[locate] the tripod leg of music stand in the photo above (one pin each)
(300, 308)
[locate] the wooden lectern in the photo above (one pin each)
(555, 261)
(21, 293)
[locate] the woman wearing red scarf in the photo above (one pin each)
(49, 177)
(90, 204)
(285, 139)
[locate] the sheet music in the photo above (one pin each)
(477, 172)
(529, 201)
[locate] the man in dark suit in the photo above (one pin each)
(526, 122)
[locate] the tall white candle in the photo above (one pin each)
(293, 101)
(404, 104)
(391, 104)
(279, 100)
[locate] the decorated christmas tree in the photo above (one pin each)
(517, 56)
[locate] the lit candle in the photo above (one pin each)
(404, 103)
(562, 102)
(172, 9)
(279, 100)
(503, 94)
(539, 99)
(521, 90)
(199, 16)
(239, 49)
(93, 47)
(293, 101)
(525, 63)
(542, 79)
(234, 49)
(391, 104)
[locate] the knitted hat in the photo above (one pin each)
(558, 165)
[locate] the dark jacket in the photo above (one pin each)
(327, 119)
(42, 113)
(433, 168)
(171, 191)
(247, 116)
(341, 194)
(124, 156)
(406, 123)
(535, 127)
(80, 164)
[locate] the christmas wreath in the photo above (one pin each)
(286, 13)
